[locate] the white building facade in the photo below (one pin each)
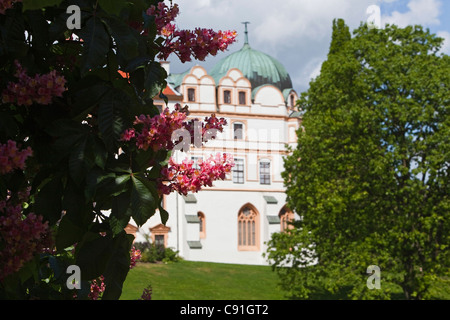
(232, 221)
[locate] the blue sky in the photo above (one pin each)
(298, 32)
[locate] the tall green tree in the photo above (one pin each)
(370, 175)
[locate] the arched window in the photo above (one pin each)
(201, 217)
(292, 98)
(286, 216)
(248, 228)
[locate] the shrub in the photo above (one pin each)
(155, 253)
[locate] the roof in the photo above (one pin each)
(171, 93)
(256, 66)
(295, 114)
(176, 79)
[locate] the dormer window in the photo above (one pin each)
(242, 98)
(191, 94)
(227, 97)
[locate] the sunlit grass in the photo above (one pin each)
(188, 280)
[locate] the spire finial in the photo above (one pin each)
(246, 31)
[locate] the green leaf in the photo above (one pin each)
(155, 79)
(163, 214)
(39, 4)
(87, 97)
(143, 159)
(16, 181)
(8, 126)
(120, 211)
(48, 200)
(68, 233)
(127, 44)
(102, 185)
(112, 6)
(143, 203)
(96, 43)
(92, 255)
(77, 162)
(39, 29)
(118, 266)
(110, 124)
(96, 151)
(138, 62)
(13, 36)
(78, 216)
(155, 171)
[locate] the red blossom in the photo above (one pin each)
(158, 132)
(22, 237)
(97, 288)
(41, 89)
(147, 293)
(205, 130)
(6, 4)
(98, 285)
(186, 44)
(135, 256)
(185, 177)
(12, 158)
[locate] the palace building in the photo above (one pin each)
(232, 221)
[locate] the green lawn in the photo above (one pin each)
(189, 280)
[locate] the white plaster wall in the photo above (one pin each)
(221, 209)
(226, 82)
(235, 74)
(269, 96)
(198, 71)
(207, 94)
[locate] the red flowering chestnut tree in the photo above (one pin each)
(84, 149)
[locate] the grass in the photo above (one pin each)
(189, 280)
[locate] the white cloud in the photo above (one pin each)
(424, 12)
(296, 32)
(273, 23)
(446, 45)
(316, 70)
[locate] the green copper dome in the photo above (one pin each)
(256, 66)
